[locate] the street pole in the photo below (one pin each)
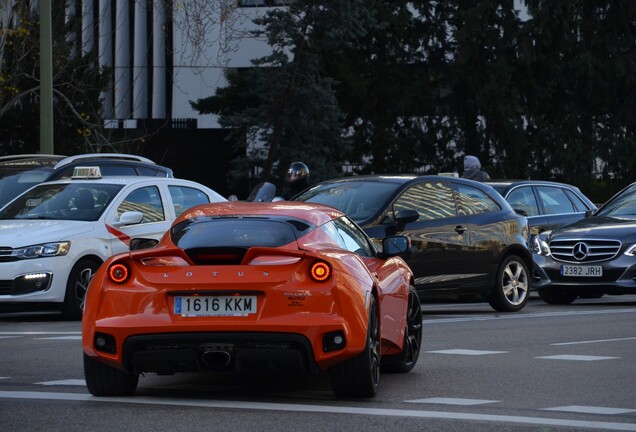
(46, 79)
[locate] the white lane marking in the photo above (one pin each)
(9, 337)
(467, 352)
(35, 333)
(71, 382)
(576, 357)
(346, 410)
(4, 377)
(594, 341)
(518, 315)
(591, 410)
(451, 401)
(62, 338)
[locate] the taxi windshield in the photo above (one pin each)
(62, 201)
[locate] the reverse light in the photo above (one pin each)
(320, 271)
(333, 341)
(105, 342)
(118, 273)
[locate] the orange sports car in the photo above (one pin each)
(254, 287)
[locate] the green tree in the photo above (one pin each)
(285, 108)
(484, 104)
(77, 84)
(582, 92)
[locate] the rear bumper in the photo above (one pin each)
(238, 352)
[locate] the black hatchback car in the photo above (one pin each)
(592, 257)
(547, 204)
(19, 172)
(465, 238)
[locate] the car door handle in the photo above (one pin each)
(460, 229)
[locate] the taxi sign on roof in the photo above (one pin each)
(87, 172)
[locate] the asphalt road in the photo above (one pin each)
(545, 368)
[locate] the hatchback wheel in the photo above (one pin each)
(512, 287)
(76, 286)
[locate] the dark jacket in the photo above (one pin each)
(473, 171)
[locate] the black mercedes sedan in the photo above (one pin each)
(547, 204)
(592, 257)
(466, 241)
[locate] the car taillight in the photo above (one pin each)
(320, 271)
(118, 273)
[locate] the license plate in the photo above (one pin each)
(197, 306)
(581, 271)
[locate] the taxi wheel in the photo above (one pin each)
(512, 287)
(359, 376)
(104, 380)
(557, 297)
(406, 360)
(76, 287)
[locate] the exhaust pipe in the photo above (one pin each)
(216, 359)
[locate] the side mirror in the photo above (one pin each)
(589, 213)
(142, 243)
(129, 218)
(521, 212)
(395, 245)
(402, 218)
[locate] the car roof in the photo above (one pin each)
(122, 180)
(58, 161)
(511, 182)
(103, 156)
(403, 180)
(37, 159)
(316, 214)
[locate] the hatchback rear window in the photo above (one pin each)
(208, 232)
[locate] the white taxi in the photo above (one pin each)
(54, 236)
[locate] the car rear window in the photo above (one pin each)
(214, 232)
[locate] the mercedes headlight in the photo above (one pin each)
(631, 251)
(540, 246)
(42, 250)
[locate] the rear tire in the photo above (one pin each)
(104, 380)
(78, 280)
(406, 360)
(359, 376)
(557, 297)
(512, 287)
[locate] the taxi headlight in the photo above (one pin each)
(540, 246)
(42, 250)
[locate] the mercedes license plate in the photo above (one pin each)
(197, 306)
(582, 271)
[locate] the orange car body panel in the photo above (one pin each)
(288, 300)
